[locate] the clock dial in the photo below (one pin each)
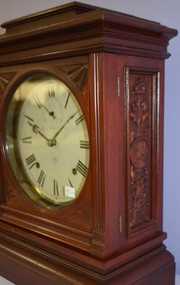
(47, 139)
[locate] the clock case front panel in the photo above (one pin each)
(70, 220)
(115, 67)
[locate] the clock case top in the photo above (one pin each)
(104, 57)
(81, 28)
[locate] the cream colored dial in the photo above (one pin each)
(47, 139)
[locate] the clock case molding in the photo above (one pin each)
(114, 64)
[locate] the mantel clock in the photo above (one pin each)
(81, 148)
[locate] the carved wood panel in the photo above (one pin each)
(77, 73)
(141, 113)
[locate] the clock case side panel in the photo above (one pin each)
(113, 207)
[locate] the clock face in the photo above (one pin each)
(47, 140)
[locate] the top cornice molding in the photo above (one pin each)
(75, 22)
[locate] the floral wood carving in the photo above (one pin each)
(78, 73)
(139, 140)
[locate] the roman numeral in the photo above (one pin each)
(27, 140)
(79, 120)
(37, 102)
(51, 93)
(41, 178)
(31, 161)
(82, 168)
(29, 118)
(84, 144)
(63, 192)
(55, 188)
(70, 183)
(67, 100)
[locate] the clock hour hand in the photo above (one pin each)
(51, 113)
(63, 126)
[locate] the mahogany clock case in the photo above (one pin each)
(112, 233)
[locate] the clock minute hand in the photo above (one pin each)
(63, 126)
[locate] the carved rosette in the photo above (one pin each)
(139, 140)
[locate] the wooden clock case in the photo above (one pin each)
(112, 234)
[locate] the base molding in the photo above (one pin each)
(157, 268)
